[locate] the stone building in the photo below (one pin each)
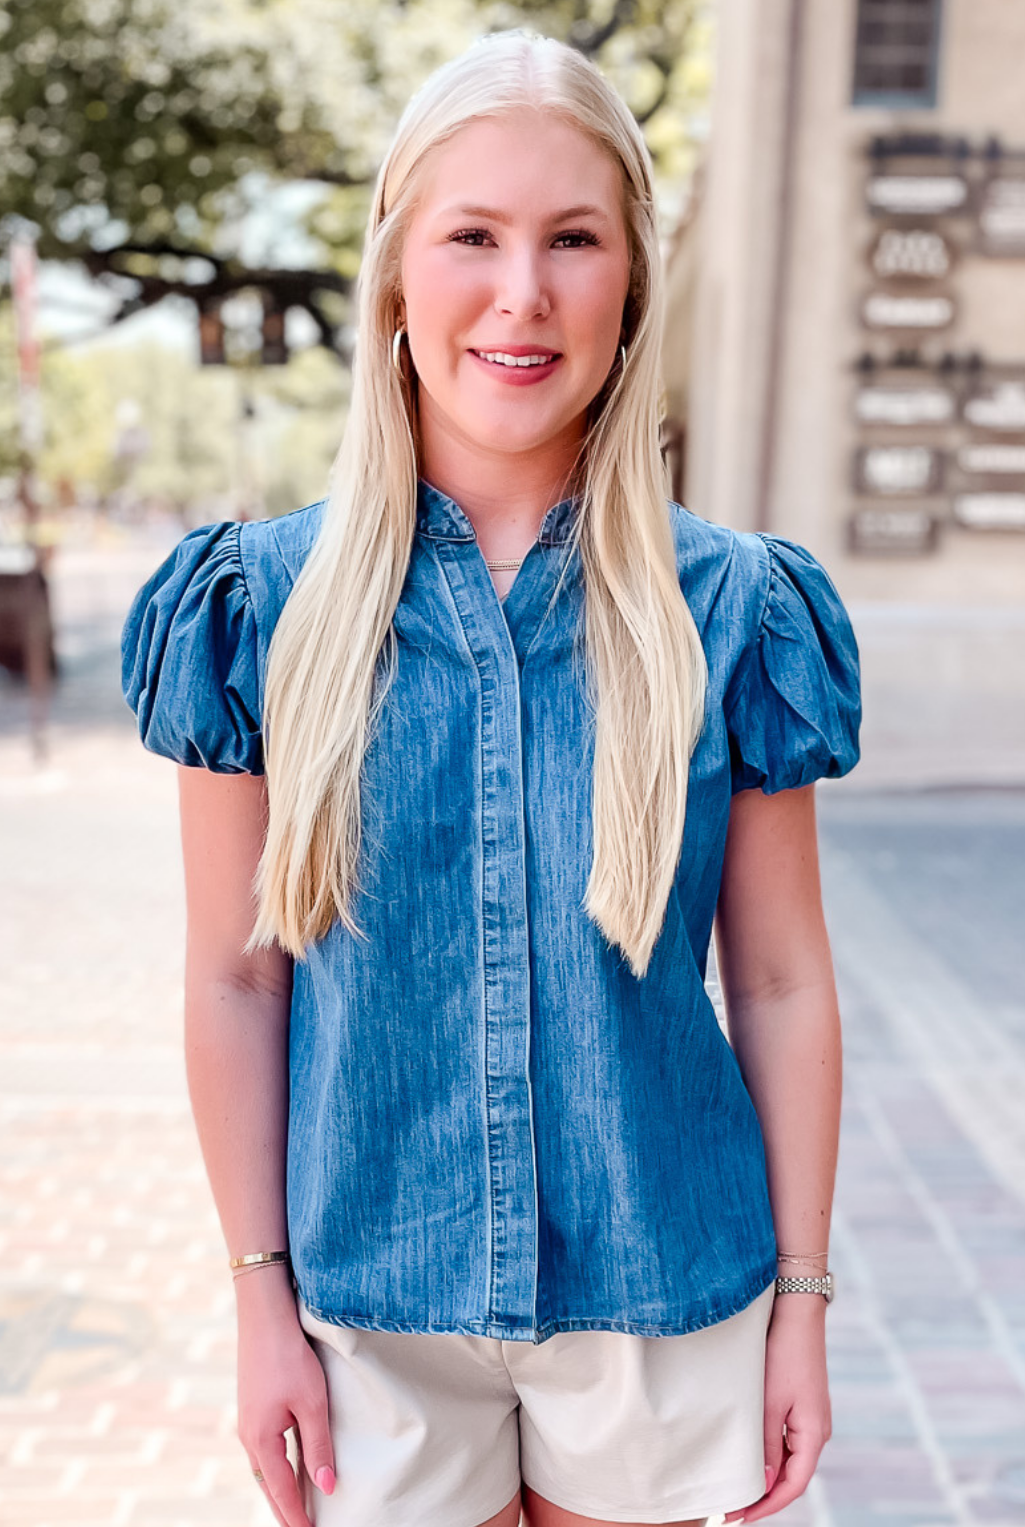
(845, 347)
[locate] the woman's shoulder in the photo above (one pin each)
(781, 649)
(755, 588)
(743, 573)
(195, 640)
(724, 573)
(272, 554)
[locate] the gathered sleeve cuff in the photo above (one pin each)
(793, 705)
(189, 666)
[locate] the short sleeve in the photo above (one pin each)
(793, 705)
(189, 657)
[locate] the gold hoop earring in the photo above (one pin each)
(396, 352)
(622, 356)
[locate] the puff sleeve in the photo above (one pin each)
(793, 705)
(189, 657)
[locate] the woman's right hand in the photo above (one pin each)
(281, 1385)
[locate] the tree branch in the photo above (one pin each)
(664, 66)
(589, 39)
(332, 177)
(289, 288)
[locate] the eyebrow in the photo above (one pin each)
(492, 215)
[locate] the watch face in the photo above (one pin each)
(830, 1294)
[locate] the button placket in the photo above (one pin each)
(512, 1171)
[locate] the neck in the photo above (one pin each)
(504, 495)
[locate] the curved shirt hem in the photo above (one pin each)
(502, 1331)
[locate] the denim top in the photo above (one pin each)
(494, 1127)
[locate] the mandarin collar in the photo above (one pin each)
(441, 518)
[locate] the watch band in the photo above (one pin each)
(824, 1286)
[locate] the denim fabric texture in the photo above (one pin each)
(495, 1128)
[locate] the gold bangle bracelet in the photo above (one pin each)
(259, 1259)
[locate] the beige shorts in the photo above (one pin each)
(439, 1430)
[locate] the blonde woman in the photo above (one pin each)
(473, 752)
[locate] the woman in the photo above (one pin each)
(505, 1208)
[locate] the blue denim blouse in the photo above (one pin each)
(494, 1126)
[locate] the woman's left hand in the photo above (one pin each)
(797, 1398)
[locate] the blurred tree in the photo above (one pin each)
(9, 446)
(93, 404)
(200, 150)
(141, 422)
(126, 128)
(311, 400)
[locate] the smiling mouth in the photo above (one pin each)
(503, 358)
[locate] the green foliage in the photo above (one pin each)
(138, 135)
(186, 418)
(9, 453)
(118, 119)
(195, 451)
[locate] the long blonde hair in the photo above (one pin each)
(645, 666)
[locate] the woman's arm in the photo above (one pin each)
(784, 1025)
(236, 1041)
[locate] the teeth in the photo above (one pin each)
(500, 358)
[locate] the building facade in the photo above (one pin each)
(845, 347)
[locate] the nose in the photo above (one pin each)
(520, 289)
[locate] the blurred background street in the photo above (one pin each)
(116, 1311)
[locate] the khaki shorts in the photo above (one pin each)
(439, 1430)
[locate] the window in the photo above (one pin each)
(896, 52)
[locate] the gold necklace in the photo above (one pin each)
(503, 564)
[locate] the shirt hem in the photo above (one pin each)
(503, 1331)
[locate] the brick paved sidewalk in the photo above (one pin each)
(116, 1314)
(925, 900)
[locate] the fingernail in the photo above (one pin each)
(768, 1477)
(324, 1480)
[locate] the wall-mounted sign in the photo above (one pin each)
(990, 511)
(897, 469)
(917, 195)
(1002, 216)
(993, 460)
(999, 406)
(904, 405)
(901, 532)
(911, 253)
(889, 310)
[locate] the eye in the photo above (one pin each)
(472, 237)
(582, 234)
